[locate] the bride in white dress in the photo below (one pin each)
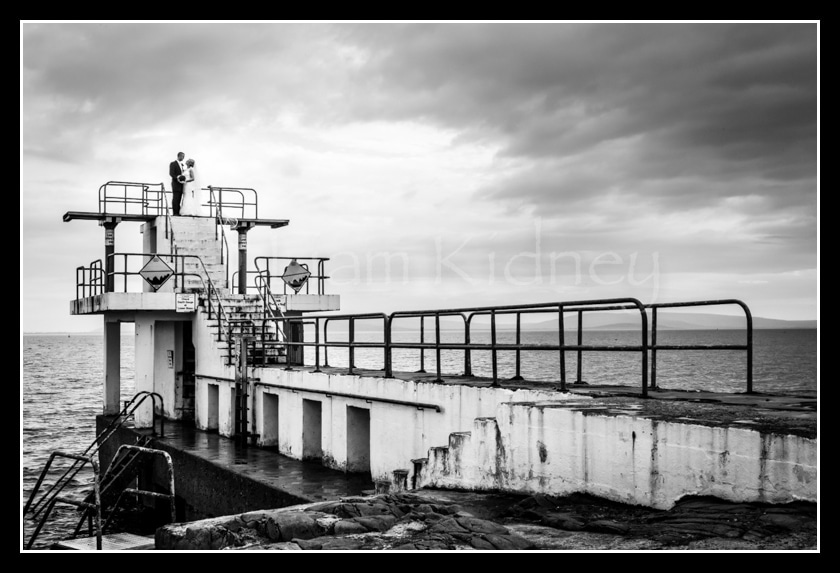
(191, 201)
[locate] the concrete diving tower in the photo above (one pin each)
(188, 309)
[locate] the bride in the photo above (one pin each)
(191, 201)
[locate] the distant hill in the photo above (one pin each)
(621, 321)
(666, 320)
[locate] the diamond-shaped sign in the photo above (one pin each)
(156, 272)
(295, 275)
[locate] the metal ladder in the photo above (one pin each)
(92, 504)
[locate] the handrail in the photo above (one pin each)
(270, 306)
(170, 473)
(242, 206)
(100, 439)
(556, 308)
(55, 499)
(730, 301)
(50, 496)
(224, 249)
(151, 198)
(90, 280)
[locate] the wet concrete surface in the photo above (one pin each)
(304, 480)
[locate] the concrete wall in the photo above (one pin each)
(155, 334)
(398, 433)
(203, 489)
(144, 365)
(564, 448)
(209, 361)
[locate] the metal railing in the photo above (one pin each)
(556, 309)
(647, 348)
(170, 475)
(214, 298)
(90, 280)
(132, 198)
(233, 203)
(747, 346)
(224, 249)
(51, 496)
(318, 275)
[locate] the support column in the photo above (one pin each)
(111, 396)
(243, 259)
(110, 226)
(293, 330)
(144, 364)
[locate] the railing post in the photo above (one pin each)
(98, 500)
(644, 350)
(580, 352)
(493, 347)
(422, 350)
(562, 336)
(653, 348)
(326, 343)
(749, 348)
(518, 375)
(352, 339)
(317, 345)
(389, 372)
(467, 352)
(437, 346)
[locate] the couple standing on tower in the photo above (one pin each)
(186, 200)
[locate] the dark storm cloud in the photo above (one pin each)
(83, 82)
(716, 101)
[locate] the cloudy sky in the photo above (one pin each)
(444, 164)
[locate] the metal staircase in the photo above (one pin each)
(243, 317)
(108, 488)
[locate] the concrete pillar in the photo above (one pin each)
(110, 227)
(243, 259)
(165, 363)
(111, 396)
(293, 331)
(144, 366)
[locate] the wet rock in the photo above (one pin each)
(607, 526)
(377, 522)
(294, 525)
(476, 525)
(448, 525)
(348, 527)
(341, 544)
(325, 506)
(428, 517)
(479, 542)
(309, 544)
(563, 521)
(363, 509)
(252, 516)
(544, 501)
(781, 521)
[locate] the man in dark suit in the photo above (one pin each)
(176, 171)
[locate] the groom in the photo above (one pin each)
(176, 171)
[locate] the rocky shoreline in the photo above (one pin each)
(451, 520)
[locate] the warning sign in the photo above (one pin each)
(156, 272)
(295, 275)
